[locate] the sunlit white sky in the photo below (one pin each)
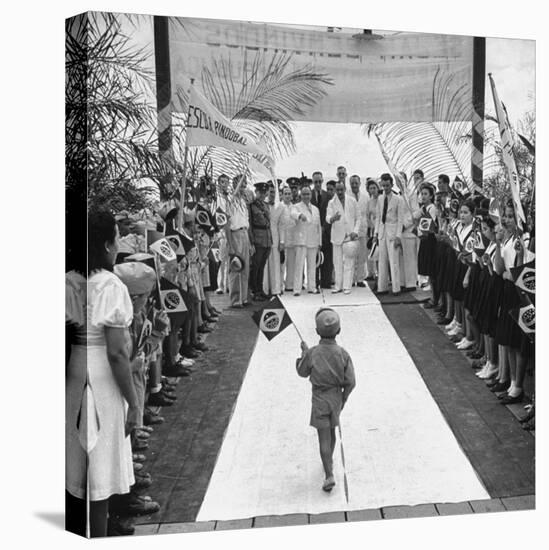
(324, 146)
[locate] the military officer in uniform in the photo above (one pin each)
(261, 239)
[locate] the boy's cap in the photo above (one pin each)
(327, 323)
(137, 276)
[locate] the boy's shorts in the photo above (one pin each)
(326, 408)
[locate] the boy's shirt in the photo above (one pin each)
(328, 365)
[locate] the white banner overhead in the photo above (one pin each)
(383, 80)
(206, 125)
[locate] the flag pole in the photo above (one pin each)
(183, 188)
(345, 483)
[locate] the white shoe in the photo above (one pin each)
(451, 326)
(461, 342)
(465, 344)
(336, 290)
(347, 291)
(455, 330)
(490, 371)
(219, 291)
(297, 293)
(186, 362)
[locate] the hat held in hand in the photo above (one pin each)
(327, 323)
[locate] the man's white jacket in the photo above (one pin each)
(348, 223)
(306, 233)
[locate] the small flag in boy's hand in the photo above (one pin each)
(525, 276)
(272, 319)
(525, 316)
(164, 248)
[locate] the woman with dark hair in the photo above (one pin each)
(101, 402)
(371, 212)
(509, 254)
(463, 239)
(427, 230)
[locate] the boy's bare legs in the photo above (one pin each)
(326, 440)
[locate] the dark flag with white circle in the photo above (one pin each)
(525, 316)
(171, 300)
(272, 319)
(525, 276)
(220, 218)
(204, 218)
(426, 225)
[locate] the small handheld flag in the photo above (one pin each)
(525, 277)
(220, 218)
(525, 316)
(272, 319)
(170, 297)
(163, 247)
(426, 225)
(203, 217)
(373, 250)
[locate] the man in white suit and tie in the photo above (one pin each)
(307, 240)
(343, 214)
(388, 234)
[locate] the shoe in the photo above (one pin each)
(184, 362)
(219, 291)
(347, 291)
(189, 352)
(444, 321)
(328, 484)
(142, 505)
(246, 304)
(490, 372)
(361, 284)
(237, 306)
(456, 338)
(136, 457)
(176, 371)
(148, 429)
(529, 426)
(139, 445)
(211, 319)
(475, 354)
(170, 394)
(478, 363)
(528, 416)
(297, 293)
(204, 329)
(491, 382)
(509, 400)
(137, 467)
(200, 346)
(215, 311)
(428, 305)
(371, 278)
(142, 481)
(313, 292)
(336, 291)
(381, 292)
(465, 344)
(456, 330)
(120, 526)
(150, 418)
(451, 325)
(259, 298)
(159, 400)
(142, 434)
(396, 293)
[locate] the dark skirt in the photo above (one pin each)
(449, 262)
(458, 292)
(508, 332)
(471, 294)
(426, 258)
(489, 305)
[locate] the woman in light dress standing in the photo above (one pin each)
(101, 402)
(286, 240)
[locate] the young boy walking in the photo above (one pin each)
(330, 370)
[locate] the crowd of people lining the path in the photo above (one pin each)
(126, 350)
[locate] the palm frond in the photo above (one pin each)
(434, 147)
(261, 101)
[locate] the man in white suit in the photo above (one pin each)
(388, 233)
(361, 198)
(307, 240)
(408, 252)
(272, 281)
(343, 214)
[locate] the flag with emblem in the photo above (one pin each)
(525, 277)
(171, 300)
(203, 217)
(164, 249)
(426, 225)
(525, 316)
(458, 187)
(177, 245)
(186, 242)
(481, 243)
(220, 218)
(272, 319)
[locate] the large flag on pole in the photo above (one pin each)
(206, 125)
(507, 152)
(272, 319)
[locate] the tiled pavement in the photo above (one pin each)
(526, 502)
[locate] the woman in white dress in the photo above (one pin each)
(101, 402)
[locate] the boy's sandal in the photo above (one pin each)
(328, 484)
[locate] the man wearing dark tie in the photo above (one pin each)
(317, 195)
(388, 233)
